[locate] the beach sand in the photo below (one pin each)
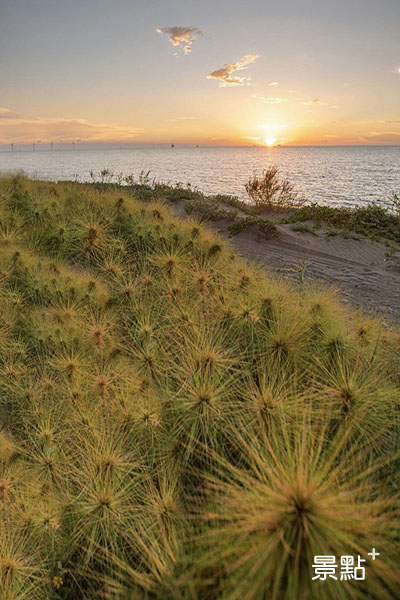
(359, 270)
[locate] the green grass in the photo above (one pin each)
(208, 209)
(176, 425)
(303, 228)
(372, 221)
(268, 194)
(265, 226)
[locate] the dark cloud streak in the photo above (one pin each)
(181, 37)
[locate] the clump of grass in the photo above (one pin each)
(394, 200)
(173, 422)
(303, 228)
(271, 192)
(209, 209)
(294, 496)
(265, 226)
(391, 249)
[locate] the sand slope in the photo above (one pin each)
(358, 269)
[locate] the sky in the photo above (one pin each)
(209, 72)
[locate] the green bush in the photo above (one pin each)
(265, 226)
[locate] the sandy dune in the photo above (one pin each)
(358, 269)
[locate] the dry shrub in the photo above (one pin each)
(272, 192)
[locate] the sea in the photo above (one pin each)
(334, 175)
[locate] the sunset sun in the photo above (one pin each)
(270, 140)
(271, 133)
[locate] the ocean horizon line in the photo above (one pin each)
(65, 146)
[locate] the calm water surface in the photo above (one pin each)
(333, 175)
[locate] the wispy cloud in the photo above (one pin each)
(225, 75)
(181, 37)
(6, 113)
(175, 119)
(387, 137)
(28, 130)
(311, 102)
(270, 100)
(273, 84)
(318, 102)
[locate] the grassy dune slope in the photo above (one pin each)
(175, 425)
